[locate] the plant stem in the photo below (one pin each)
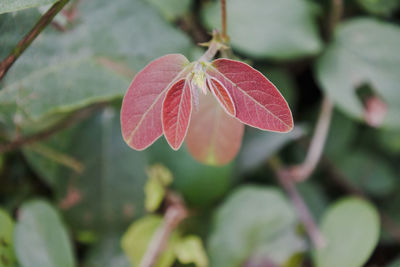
(212, 50)
(28, 38)
(176, 212)
(305, 216)
(223, 20)
(303, 171)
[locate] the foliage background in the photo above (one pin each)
(67, 199)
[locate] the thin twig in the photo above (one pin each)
(28, 38)
(335, 16)
(305, 216)
(176, 212)
(224, 34)
(304, 170)
(65, 123)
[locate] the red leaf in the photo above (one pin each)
(141, 108)
(176, 112)
(258, 103)
(222, 95)
(214, 137)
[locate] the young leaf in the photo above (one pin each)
(258, 103)
(176, 111)
(141, 108)
(222, 95)
(214, 137)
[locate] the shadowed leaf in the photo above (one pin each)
(222, 96)
(214, 137)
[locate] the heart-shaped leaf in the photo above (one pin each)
(214, 137)
(258, 103)
(141, 108)
(176, 112)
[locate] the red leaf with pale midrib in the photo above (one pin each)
(141, 107)
(176, 111)
(222, 95)
(258, 103)
(214, 137)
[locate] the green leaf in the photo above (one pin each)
(108, 194)
(258, 146)
(254, 224)
(15, 5)
(369, 172)
(137, 238)
(40, 237)
(171, 9)
(363, 53)
(95, 61)
(7, 257)
(351, 229)
(155, 188)
(107, 252)
(380, 7)
(201, 185)
(284, 29)
(190, 250)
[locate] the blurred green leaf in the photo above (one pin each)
(159, 178)
(15, 5)
(171, 9)
(190, 250)
(13, 27)
(315, 197)
(380, 7)
(40, 237)
(390, 140)
(254, 222)
(200, 184)
(137, 238)
(395, 263)
(284, 82)
(363, 52)
(7, 257)
(368, 172)
(351, 230)
(341, 132)
(95, 61)
(108, 194)
(258, 146)
(107, 252)
(284, 29)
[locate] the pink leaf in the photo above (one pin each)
(214, 137)
(222, 95)
(176, 112)
(141, 108)
(258, 103)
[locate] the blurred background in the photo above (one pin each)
(72, 193)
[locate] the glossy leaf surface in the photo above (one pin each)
(176, 111)
(214, 137)
(141, 108)
(258, 103)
